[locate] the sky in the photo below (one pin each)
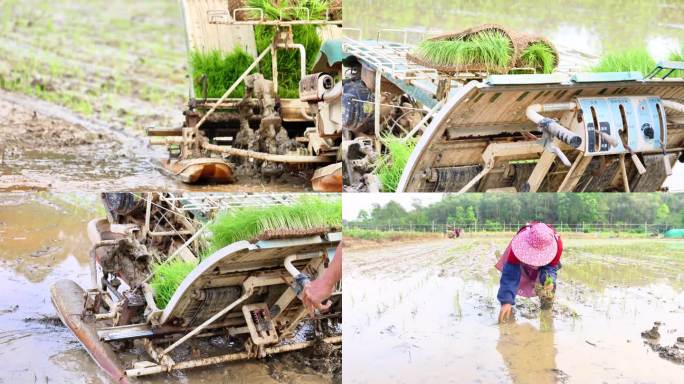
(676, 181)
(353, 203)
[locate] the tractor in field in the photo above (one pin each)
(264, 94)
(234, 303)
(419, 126)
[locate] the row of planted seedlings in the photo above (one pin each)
(308, 214)
(492, 49)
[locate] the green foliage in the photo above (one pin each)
(490, 49)
(247, 223)
(492, 225)
(635, 59)
(540, 57)
(288, 60)
(677, 55)
(663, 212)
(377, 235)
(470, 217)
(167, 277)
(391, 166)
(221, 71)
(290, 10)
(307, 35)
(572, 209)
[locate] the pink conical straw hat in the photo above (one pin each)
(535, 245)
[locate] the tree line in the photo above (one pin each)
(497, 208)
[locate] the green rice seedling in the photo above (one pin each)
(677, 55)
(221, 71)
(635, 59)
(167, 278)
(540, 57)
(288, 60)
(490, 49)
(289, 10)
(270, 10)
(247, 223)
(391, 166)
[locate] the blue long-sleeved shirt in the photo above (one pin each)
(510, 280)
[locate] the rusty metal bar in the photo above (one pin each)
(295, 159)
(212, 319)
(153, 369)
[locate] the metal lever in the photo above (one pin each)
(552, 131)
(666, 162)
(635, 159)
(301, 280)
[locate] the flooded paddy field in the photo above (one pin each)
(430, 310)
(42, 240)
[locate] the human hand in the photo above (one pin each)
(314, 295)
(506, 313)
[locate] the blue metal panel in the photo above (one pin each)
(645, 121)
(641, 117)
(630, 118)
(601, 108)
(653, 104)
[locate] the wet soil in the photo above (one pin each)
(42, 240)
(674, 353)
(82, 81)
(47, 147)
(431, 310)
(42, 150)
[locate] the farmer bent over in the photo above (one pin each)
(529, 266)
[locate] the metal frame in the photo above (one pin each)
(221, 16)
(153, 328)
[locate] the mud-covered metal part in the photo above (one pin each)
(324, 97)
(120, 204)
(68, 299)
(244, 292)
(261, 328)
(453, 178)
(357, 107)
(359, 158)
(143, 369)
(127, 258)
(313, 88)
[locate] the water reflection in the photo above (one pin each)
(529, 352)
(590, 26)
(39, 232)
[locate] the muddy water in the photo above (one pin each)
(430, 309)
(580, 26)
(42, 240)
